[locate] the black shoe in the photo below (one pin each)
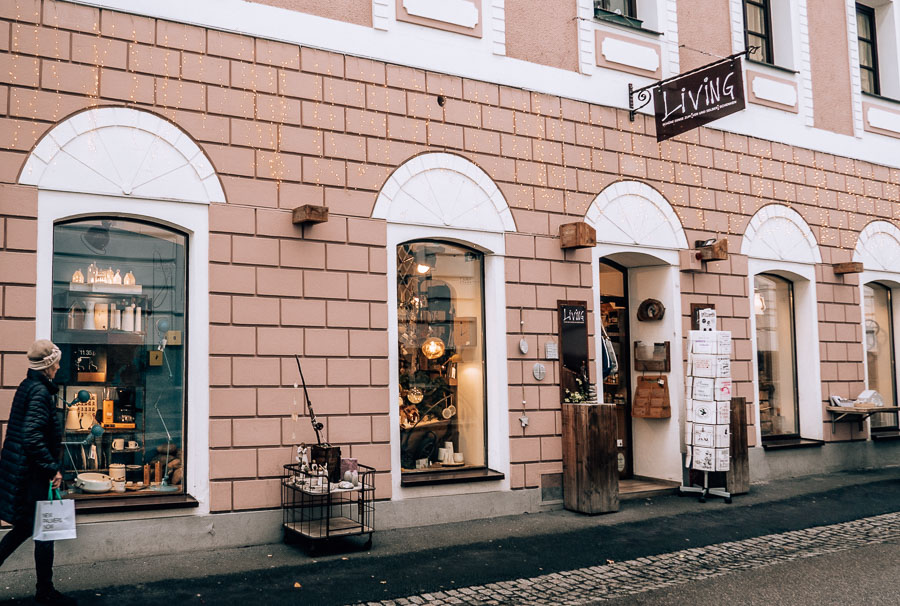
(54, 598)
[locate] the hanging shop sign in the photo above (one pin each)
(694, 98)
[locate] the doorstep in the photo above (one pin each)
(641, 488)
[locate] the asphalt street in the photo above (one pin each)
(409, 562)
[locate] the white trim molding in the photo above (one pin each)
(878, 247)
(120, 151)
(443, 190)
(855, 78)
(806, 95)
(498, 26)
(779, 233)
(634, 214)
(586, 46)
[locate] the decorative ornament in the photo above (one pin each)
(539, 371)
(117, 279)
(651, 310)
(78, 277)
(415, 395)
(523, 346)
(433, 348)
(128, 280)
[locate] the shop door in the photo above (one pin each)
(613, 281)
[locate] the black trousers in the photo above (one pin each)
(22, 531)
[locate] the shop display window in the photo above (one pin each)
(119, 318)
(773, 302)
(879, 343)
(440, 318)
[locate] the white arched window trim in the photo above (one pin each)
(424, 183)
(80, 151)
(638, 225)
(775, 237)
(878, 249)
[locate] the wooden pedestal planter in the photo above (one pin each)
(590, 468)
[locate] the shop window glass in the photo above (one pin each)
(119, 317)
(773, 303)
(758, 29)
(879, 342)
(868, 49)
(440, 317)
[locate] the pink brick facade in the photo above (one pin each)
(285, 125)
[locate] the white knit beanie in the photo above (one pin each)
(43, 354)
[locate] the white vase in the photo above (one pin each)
(128, 319)
(89, 315)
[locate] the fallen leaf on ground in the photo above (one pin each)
(297, 585)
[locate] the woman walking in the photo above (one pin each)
(29, 463)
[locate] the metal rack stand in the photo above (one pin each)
(315, 509)
(705, 491)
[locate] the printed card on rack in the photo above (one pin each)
(704, 435)
(723, 459)
(704, 459)
(723, 436)
(688, 387)
(704, 365)
(723, 367)
(723, 412)
(723, 389)
(703, 390)
(706, 319)
(723, 342)
(702, 342)
(688, 410)
(704, 412)
(688, 433)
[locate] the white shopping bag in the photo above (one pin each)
(54, 519)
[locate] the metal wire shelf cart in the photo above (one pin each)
(315, 509)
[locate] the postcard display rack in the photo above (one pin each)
(708, 391)
(315, 508)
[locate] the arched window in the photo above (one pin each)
(119, 316)
(879, 346)
(776, 353)
(440, 321)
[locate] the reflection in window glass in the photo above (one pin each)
(879, 342)
(620, 7)
(868, 49)
(119, 317)
(757, 29)
(440, 321)
(773, 304)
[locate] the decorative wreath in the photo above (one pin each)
(651, 310)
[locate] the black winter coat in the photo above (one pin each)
(31, 449)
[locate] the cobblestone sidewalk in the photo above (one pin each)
(618, 579)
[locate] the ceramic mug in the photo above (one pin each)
(458, 457)
(132, 444)
(118, 444)
(118, 486)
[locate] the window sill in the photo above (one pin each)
(881, 97)
(784, 70)
(791, 443)
(429, 478)
(623, 22)
(885, 436)
(136, 503)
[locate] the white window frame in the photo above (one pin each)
(493, 245)
(806, 334)
(887, 24)
(891, 281)
(191, 218)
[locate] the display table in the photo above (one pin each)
(315, 509)
(855, 413)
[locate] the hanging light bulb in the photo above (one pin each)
(423, 269)
(433, 348)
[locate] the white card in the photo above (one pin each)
(702, 342)
(704, 412)
(723, 389)
(703, 390)
(723, 436)
(704, 459)
(704, 435)
(723, 367)
(723, 459)
(723, 342)
(704, 365)
(723, 412)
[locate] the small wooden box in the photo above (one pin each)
(310, 213)
(577, 235)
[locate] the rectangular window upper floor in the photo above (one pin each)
(876, 39)
(774, 27)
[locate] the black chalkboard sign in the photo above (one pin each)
(573, 345)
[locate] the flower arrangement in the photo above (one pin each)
(584, 391)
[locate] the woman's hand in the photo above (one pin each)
(57, 480)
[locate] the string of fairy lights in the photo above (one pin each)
(398, 121)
